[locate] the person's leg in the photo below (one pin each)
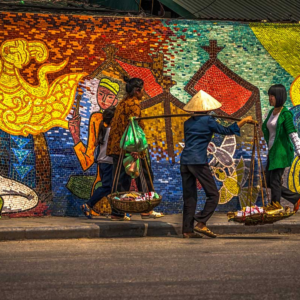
(290, 196)
(189, 189)
(275, 184)
(124, 181)
(203, 174)
(278, 191)
(106, 171)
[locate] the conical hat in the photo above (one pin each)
(202, 102)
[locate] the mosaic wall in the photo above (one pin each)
(59, 73)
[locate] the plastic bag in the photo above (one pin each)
(132, 167)
(134, 140)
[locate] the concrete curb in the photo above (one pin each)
(151, 229)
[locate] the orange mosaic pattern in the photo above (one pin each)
(82, 38)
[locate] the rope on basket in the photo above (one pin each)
(261, 173)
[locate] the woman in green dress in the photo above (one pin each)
(282, 140)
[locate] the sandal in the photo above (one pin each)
(191, 235)
(125, 218)
(205, 231)
(86, 210)
(153, 215)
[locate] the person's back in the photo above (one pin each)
(198, 132)
(128, 107)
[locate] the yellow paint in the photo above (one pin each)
(155, 128)
(295, 91)
(294, 176)
(27, 109)
(177, 129)
(282, 41)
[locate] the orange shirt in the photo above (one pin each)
(128, 107)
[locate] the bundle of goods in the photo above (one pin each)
(134, 202)
(136, 196)
(255, 215)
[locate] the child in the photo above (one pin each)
(104, 162)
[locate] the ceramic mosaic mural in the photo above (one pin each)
(58, 74)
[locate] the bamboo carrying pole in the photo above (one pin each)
(186, 115)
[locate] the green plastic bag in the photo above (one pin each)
(134, 140)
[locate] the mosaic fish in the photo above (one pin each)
(223, 154)
(233, 185)
(15, 196)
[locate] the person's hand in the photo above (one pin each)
(74, 127)
(135, 155)
(249, 120)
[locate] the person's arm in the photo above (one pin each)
(135, 111)
(296, 142)
(85, 154)
(290, 129)
(214, 126)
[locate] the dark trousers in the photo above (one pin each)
(274, 182)
(189, 174)
(106, 174)
(125, 180)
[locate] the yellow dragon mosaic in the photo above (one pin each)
(27, 109)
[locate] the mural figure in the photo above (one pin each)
(107, 93)
(106, 97)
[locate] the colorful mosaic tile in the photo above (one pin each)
(58, 73)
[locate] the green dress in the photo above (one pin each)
(281, 154)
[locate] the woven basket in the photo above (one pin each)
(132, 206)
(261, 219)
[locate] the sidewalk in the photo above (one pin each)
(102, 227)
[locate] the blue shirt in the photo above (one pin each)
(198, 132)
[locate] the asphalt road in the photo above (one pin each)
(237, 267)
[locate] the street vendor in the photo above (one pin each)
(198, 133)
(280, 135)
(127, 108)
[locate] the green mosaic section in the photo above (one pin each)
(243, 54)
